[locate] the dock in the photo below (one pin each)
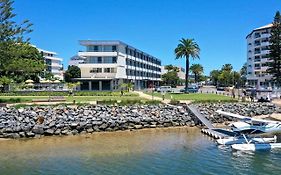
(210, 130)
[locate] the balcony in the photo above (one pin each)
(257, 52)
(265, 43)
(98, 54)
(265, 35)
(264, 52)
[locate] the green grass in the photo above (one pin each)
(71, 98)
(196, 97)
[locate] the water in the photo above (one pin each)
(156, 151)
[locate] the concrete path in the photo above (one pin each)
(149, 97)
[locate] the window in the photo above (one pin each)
(114, 48)
(96, 48)
(99, 60)
(96, 70)
(106, 70)
(113, 70)
(114, 59)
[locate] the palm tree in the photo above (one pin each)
(185, 49)
(196, 69)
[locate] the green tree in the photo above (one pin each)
(72, 72)
(275, 50)
(214, 75)
(171, 78)
(128, 86)
(227, 67)
(187, 48)
(243, 73)
(18, 59)
(197, 70)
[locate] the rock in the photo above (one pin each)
(30, 134)
(138, 126)
(38, 129)
(49, 132)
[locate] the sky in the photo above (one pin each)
(154, 26)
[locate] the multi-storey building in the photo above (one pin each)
(54, 63)
(258, 57)
(108, 64)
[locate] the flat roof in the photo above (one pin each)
(261, 28)
(111, 42)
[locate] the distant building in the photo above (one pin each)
(181, 73)
(76, 60)
(258, 57)
(108, 64)
(54, 63)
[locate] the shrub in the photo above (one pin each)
(174, 102)
(11, 100)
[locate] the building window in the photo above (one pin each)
(96, 48)
(114, 48)
(106, 70)
(99, 60)
(114, 59)
(96, 70)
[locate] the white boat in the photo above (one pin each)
(241, 139)
(255, 146)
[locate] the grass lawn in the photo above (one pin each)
(76, 98)
(197, 97)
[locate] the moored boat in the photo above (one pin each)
(255, 146)
(241, 139)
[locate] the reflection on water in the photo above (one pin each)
(154, 151)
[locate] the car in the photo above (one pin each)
(192, 88)
(220, 88)
(164, 89)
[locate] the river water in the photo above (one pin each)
(153, 151)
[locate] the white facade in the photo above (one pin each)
(108, 64)
(181, 72)
(54, 63)
(258, 57)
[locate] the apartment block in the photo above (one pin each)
(105, 65)
(54, 63)
(258, 57)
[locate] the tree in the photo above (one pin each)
(127, 86)
(214, 74)
(171, 78)
(227, 67)
(243, 73)
(18, 59)
(275, 50)
(72, 72)
(197, 70)
(187, 48)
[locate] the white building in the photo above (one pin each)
(54, 63)
(181, 72)
(108, 64)
(258, 57)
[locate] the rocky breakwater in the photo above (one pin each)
(245, 109)
(61, 120)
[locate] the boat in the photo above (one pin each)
(241, 139)
(255, 146)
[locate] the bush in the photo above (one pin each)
(76, 93)
(11, 100)
(174, 102)
(107, 102)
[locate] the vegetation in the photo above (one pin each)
(226, 76)
(171, 78)
(127, 86)
(187, 48)
(275, 50)
(197, 70)
(77, 93)
(129, 102)
(72, 72)
(18, 59)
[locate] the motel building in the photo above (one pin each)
(106, 65)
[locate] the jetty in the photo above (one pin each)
(209, 129)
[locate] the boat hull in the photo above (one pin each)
(235, 140)
(255, 146)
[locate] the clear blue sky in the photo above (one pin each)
(154, 26)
